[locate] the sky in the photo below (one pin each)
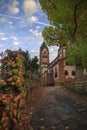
(21, 26)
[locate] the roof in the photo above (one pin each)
(44, 46)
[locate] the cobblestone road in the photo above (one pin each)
(59, 109)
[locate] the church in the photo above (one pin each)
(57, 71)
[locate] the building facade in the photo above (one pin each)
(57, 71)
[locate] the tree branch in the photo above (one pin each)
(75, 19)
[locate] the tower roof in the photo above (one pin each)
(44, 46)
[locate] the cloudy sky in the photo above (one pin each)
(21, 25)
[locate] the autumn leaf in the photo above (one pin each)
(80, 110)
(53, 127)
(15, 112)
(67, 127)
(41, 119)
(42, 127)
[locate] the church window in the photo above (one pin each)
(66, 72)
(44, 56)
(73, 73)
(56, 75)
(44, 52)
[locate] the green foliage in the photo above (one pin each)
(27, 59)
(7, 108)
(77, 55)
(54, 35)
(30, 64)
(72, 14)
(34, 64)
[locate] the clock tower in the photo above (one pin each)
(44, 57)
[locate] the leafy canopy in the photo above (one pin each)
(72, 15)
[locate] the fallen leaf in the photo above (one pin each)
(67, 127)
(42, 119)
(53, 127)
(42, 127)
(30, 113)
(80, 110)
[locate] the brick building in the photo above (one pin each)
(56, 71)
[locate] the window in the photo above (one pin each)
(44, 56)
(56, 72)
(73, 73)
(44, 52)
(66, 72)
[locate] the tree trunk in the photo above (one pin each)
(79, 72)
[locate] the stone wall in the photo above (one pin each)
(78, 86)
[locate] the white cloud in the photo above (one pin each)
(13, 37)
(4, 38)
(30, 7)
(10, 22)
(13, 7)
(13, 10)
(38, 27)
(15, 43)
(44, 24)
(34, 53)
(1, 33)
(1, 46)
(22, 23)
(31, 30)
(32, 19)
(3, 20)
(53, 50)
(36, 33)
(30, 38)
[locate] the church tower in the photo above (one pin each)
(44, 57)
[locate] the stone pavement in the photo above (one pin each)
(59, 109)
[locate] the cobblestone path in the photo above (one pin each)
(59, 109)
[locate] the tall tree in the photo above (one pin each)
(72, 16)
(27, 59)
(29, 63)
(54, 35)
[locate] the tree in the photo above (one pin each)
(34, 64)
(72, 16)
(29, 63)
(54, 35)
(27, 59)
(76, 55)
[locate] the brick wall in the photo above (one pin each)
(61, 70)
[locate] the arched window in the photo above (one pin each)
(66, 72)
(56, 75)
(73, 73)
(44, 52)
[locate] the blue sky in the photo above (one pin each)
(21, 25)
